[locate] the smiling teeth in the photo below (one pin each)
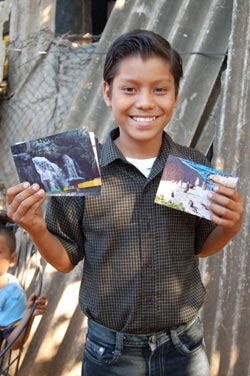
(144, 119)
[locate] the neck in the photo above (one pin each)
(138, 150)
(3, 280)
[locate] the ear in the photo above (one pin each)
(106, 94)
(13, 258)
(176, 101)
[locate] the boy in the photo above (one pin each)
(141, 288)
(13, 309)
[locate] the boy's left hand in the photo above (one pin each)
(227, 208)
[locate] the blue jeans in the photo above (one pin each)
(178, 352)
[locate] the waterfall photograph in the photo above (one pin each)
(64, 163)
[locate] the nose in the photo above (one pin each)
(145, 100)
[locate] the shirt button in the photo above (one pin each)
(149, 300)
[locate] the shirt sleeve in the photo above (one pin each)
(13, 304)
(64, 220)
(203, 229)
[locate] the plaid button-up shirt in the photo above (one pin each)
(140, 272)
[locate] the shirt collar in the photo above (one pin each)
(110, 152)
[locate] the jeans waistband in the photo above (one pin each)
(111, 336)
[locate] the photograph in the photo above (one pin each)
(185, 186)
(62, 164)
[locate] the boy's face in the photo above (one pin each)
(142, 99)
(7, 258)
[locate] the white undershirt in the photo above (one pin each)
(143, 165)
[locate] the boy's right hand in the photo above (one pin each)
(41, 304)
(24, 207)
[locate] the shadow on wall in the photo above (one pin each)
(57, 341)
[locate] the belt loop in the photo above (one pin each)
(174, 337)
(118, 344)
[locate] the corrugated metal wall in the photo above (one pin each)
(227, 310)
(213, 107)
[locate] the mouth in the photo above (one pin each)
(144, 119)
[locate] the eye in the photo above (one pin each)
(160, 90)
(128, 90)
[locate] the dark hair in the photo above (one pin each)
(9, 238)
(146, 44)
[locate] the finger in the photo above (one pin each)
(225, 213)
(26, 213)
(16, 196)
(227, 218)
(39, 312)
(32, 297)
(28, 200)
(225, 208)
(32, 206)
(21, 195)
(40, 308)
(227, 192)
(225, 223)
(228, 198)
(13, 191)
(42, 301)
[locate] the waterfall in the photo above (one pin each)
(69, 166)
(51, 175)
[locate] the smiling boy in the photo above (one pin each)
(142, 99)
(141, 287)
